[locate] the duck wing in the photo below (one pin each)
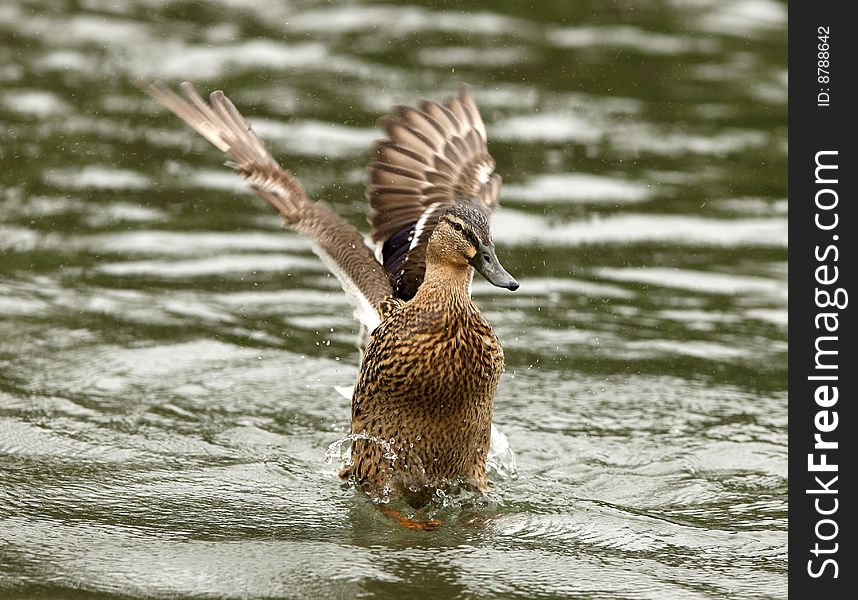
(336, 241)
(434, 155)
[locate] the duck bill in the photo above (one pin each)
(486, 263)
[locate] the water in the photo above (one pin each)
(168, 354)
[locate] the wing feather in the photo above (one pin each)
(435, 155)
(337, 242)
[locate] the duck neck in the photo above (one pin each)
(450, 281)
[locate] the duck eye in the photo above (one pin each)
(457, 226)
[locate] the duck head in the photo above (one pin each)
(462, 237)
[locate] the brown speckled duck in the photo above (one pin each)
(422, 405)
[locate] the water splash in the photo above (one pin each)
(501, 458)
(341, 449)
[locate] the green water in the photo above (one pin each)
(168, 352)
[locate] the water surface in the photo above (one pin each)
(168, 352)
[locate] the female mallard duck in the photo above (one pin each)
(422, 404)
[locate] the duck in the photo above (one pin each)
(423, 400)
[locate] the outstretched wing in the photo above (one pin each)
(434, 156)
(337, 242)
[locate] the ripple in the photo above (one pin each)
(239, 263)
(18, 306)
(753, 206)
(194, 242)
(82, 29)
(699, 281)
(95, 215)
(401, 21)
(38, 103)
(699, 349)
(97, 177)
(772, 315)
(555, 286)
(548, 127)
(636, 139)
(634, 38)
(166, 367)
(18, 238)
(209, 62)
(513, 227)
(68, 60)
(578, 187)
(130, 561)
(25, 439)
(743, 17)
(628, 543)
(470, 57)
(316, 138)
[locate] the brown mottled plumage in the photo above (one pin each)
(426, 388)
(422, 406)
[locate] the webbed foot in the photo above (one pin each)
(408, 522)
